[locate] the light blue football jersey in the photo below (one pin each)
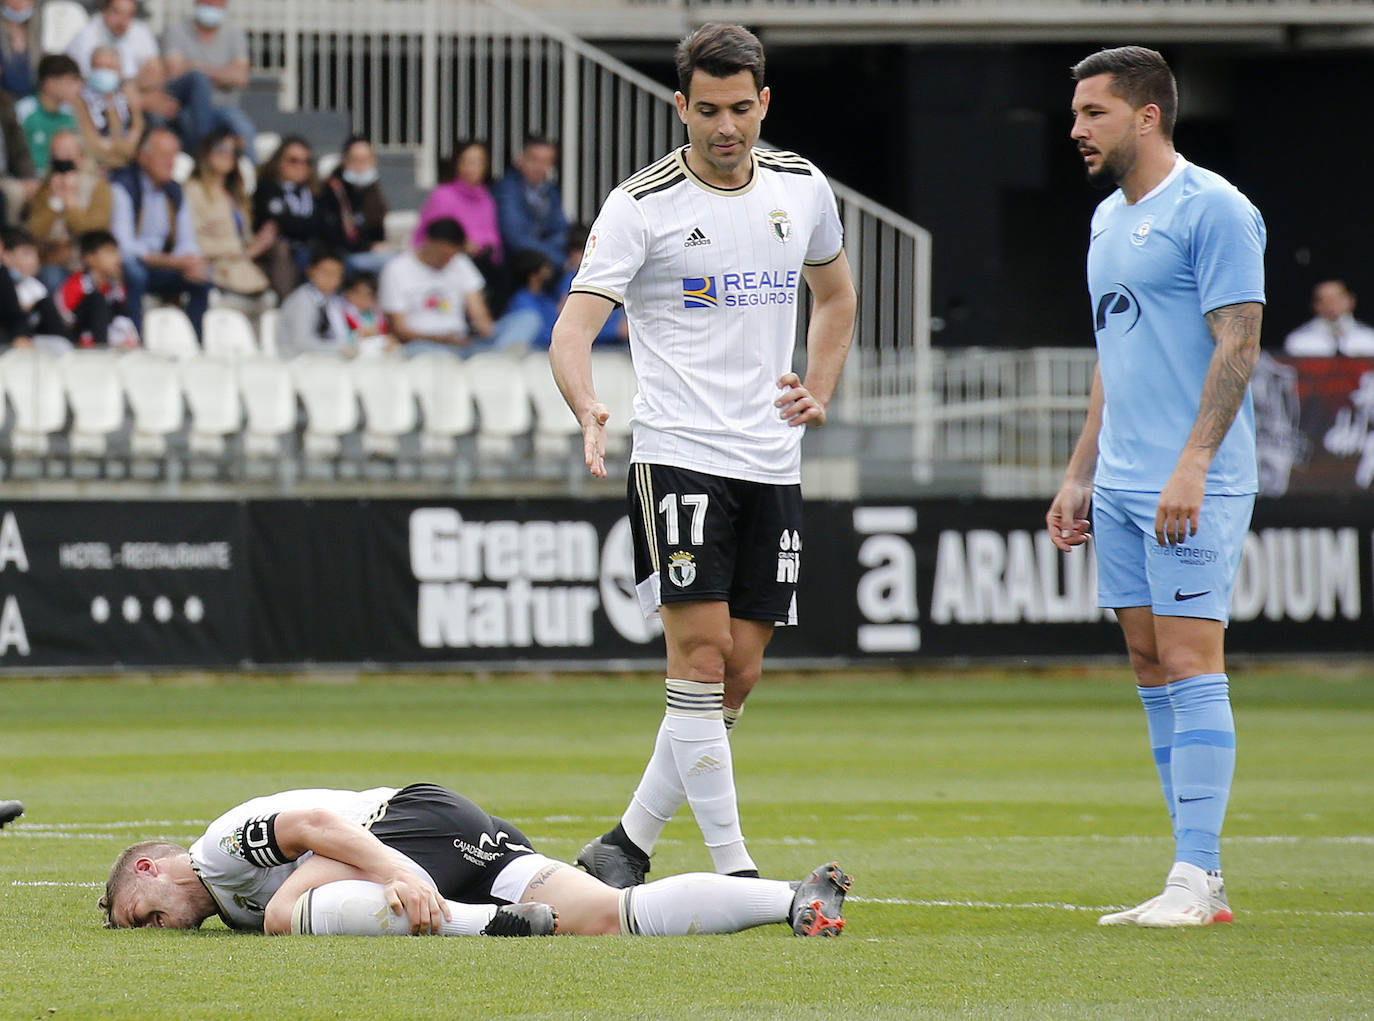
(1155, 269)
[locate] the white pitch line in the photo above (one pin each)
(1046, 905)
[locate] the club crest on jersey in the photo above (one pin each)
(682, 569)
(1142, 232)
(781, 224)
(699, 292)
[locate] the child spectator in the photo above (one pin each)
(93, 301)
(533, 276)
(365, 320)
(617, 327)
(20, 258)
(313, 317)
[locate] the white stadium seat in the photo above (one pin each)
(62, 20)
(31, 380)
(503, 403)
(229, 334)
(441, 384)
(153, 389)
(325, 387)
(91, 380)
(613, 374)
(265, 143)
(249, 172)
(211, 390)
(399, 225)
(555, 426)
(388, 399)
(267, 331)
(326, 163)
(269, 402)
(167, 331)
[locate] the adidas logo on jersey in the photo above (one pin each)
(705, 764)
(696, 238)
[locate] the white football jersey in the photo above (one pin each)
(237, 857)
(710, 280)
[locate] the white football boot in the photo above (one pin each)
(1218, 908)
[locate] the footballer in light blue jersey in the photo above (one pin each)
(1156, 267)
(1165, 463)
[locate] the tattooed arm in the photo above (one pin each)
(1236, 333)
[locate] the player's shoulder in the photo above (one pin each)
(781, 161)
(1202, 189)
(660, 175)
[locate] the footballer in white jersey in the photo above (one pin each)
(707, 249)
(710, 279)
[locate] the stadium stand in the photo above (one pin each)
(556, 431)
(267, 331)
(444, 389)
(503, 408)
(616, 386)
(325, 388)
(269, 403)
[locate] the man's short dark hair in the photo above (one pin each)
(14, 237)
(323, 253)
(525, 263)
(56, 65)
(94, 240)
(720, 50)
(446, 230)
(1140, 76)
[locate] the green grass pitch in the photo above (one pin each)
(988, 817)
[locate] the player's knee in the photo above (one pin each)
(705, 655)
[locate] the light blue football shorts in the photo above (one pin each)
(1193, 579)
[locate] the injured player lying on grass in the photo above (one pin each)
(420, 860)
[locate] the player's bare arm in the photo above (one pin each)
(570, 356)
(1067, 518)
(1236, 332)
(330, 835)
(804, 402)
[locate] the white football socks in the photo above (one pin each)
(354, 907)
(659, 795)
(703, 903)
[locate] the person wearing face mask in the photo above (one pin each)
(73, 200)
(182, 103)
(211, 44)
(19, 46)
(352, 209)
(110, 114)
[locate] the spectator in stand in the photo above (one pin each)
(110, 114)
(19, 46)
(94, 301)
(465, 196)
(529, 204)
(20, 259)
(207, 43)
(182, 103)
(152, 223)
(73, 199)
(219, 210)
(284, 204)
(314, 316)
(1334, 330)
(52, 109)
(369, 327)
(352, 209)
(533, 276)
(617, 328)
(17, 180)
(433, 299)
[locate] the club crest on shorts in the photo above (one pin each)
(781, 224)
(682, 568)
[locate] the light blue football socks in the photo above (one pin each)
(1202, 762)
(1159, 720)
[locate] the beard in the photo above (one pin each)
(1112, 169)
